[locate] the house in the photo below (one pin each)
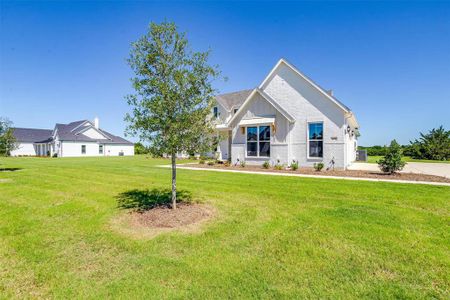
(80, 138)
(287, 118)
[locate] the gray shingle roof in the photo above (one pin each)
(233, 99)
(70, 132)
(66, 132)
(31, 135)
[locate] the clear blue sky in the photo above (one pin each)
(389, 62)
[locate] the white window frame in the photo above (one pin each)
(257, 140)
(308, 140)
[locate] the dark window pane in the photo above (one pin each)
(315, 149)
(252, 134)
(216, 112)
(251, 149)
(315, 131)
(83, 149)
(264, 149)
(264, 133)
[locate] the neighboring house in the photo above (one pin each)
(287, 118)
(80, 138)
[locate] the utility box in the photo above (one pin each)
(361, 155)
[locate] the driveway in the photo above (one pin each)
(438, 169)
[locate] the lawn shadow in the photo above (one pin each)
(142, 200)
(9, 169)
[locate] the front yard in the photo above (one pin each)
(271, 237)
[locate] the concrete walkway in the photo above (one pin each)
(186, 167)
(438, 169)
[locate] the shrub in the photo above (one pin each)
(392, 160)
(202, 161)
(211, 163)
(227, 163)
(266, 165)
(242, 164)
(294, 165)
(318, 166)
(55, 154)
(278, 166)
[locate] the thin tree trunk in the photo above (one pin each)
(174, 181)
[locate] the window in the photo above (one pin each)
(216, 112)
(315, 140)
(100, 149)
(235, 110)
(258, 141)
(83, 149)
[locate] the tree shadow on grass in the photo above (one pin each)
(142, 200)
(9, 169)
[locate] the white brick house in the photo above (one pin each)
(286, 118)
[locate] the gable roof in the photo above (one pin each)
(32, 135)
(233, 99)
(65, 132)
(269, 99)
(69, 132)
(310, 81)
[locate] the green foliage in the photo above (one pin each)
(172, 104)
(434, 145)
(173, 99)
(266, 165)
(392, 160)
(7, 140)
(242, 163)
(294, 165)
(211, 163)
(202, 161)
(318, 166)
(374, 150)
(139, 148)
(278, 166)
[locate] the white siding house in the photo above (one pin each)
(76, 139)
(287, 118)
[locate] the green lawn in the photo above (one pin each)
(274, 237)
(374, 159)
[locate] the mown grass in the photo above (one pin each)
(274, 237)
(374, 159)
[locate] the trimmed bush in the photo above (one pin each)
(242, 164)
(294, 165)
(392, 161)
(318, 166)
(202, 161)
(266, 165)
(211, 163)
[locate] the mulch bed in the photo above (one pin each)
(343, 173)
(164, 217)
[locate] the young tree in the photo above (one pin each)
(433, 145)
(7, 140)
(171, 108)
(392, 160)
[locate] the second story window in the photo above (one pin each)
(216, 112)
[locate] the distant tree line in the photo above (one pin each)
(139, 148)
(434, 145)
